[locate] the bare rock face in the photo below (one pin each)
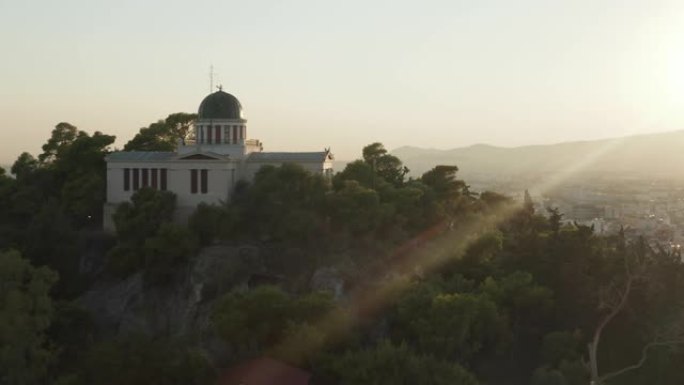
(328, 279)
(178, 309)
(184, 308)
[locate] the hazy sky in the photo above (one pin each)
(316, 73)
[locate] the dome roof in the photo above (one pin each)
(220, 105)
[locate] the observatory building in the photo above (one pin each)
(205, 169)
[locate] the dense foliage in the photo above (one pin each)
(163, 135)
(441, 285)
(25, 313)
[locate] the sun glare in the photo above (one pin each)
(675, 75)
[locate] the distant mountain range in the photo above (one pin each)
(658, 155)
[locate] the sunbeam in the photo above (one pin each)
(424, 253)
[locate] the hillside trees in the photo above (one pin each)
(25, 314)
(389, 364)
(141, 360)
(62, 136)
(71, 169)
(52, 198)
(452, 193)
(7, 225)
(211, 222)
(168, 250)
(385, 165)
(148, 240)
(143, 225)
(283, 204)
(76, 160)
(404, 206)
(259, 319)
(524, 302)
(660, 312)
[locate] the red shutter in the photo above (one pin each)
(154, 179)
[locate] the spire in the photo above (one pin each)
(528, 203)
(211, 78)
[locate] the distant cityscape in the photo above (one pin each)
(653, 209)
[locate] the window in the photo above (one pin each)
(127, 179)
(136, 179)
(145, 177)
(154, 179)
(204, 181)
(235, 132)
(163, 179)
(209, 134)
(201, 185)
(217, 133)
(193, 181)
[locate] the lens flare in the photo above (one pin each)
(426, 252)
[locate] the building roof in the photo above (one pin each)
(265, 157)
(220, 105)
(264, 371)
(137, 156)
(320, 156)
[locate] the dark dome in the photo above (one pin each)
(220, 105)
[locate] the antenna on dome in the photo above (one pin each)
(211, 78)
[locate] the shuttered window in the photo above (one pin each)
(154, 179)
(205, 182)
(136, 179)
(127, 179)
(163, 179)
(193, 181)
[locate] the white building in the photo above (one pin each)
(205, 169)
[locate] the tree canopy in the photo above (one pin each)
(25, 314)
(163, 135)
(430, 282)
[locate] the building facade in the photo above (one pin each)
(206, 168)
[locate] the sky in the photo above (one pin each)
(342, 74)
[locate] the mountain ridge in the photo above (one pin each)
(643, 155)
